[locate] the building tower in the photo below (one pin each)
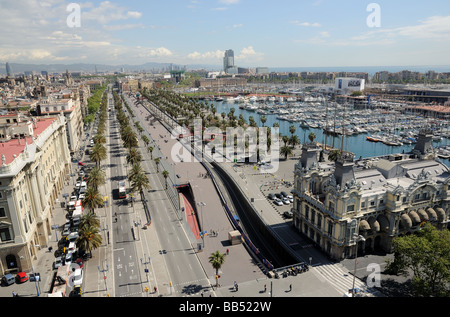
(228, 61)
(8, 69)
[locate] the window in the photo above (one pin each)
(363, 204)
(351, 208)
(372, 203)
(2, 212)
(306, 212)
(330, 228)
(5, 234)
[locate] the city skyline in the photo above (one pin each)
(316, 33)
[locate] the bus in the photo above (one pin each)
(122, 190)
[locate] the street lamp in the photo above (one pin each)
(32, 268)
(104, 274)
(201, 204)
(357, 238)
(145, 263)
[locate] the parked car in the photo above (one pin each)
(285, 201)
(284, 194)
(35, 277)
(76, 292)
(271, 196)
(57, 263)
(77, 278)
(278, 202)
(279, 196)
(68, 258)
(21, 277)
(8, 279)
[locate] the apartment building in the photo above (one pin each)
(378, 198)
(35, 160)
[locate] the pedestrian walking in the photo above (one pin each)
(290, 287)
(265, 288)
(228, 251)
(154, 288)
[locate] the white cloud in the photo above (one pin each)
(209, 56)
(249, 54)
(227, 2)
(306, 24)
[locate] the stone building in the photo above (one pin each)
(33, 168)
(377, 198)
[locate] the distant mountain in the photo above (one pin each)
(90, 68)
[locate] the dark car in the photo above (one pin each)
(271, 196)
(35, 277)
(21, 277)
(288, 214)
(279, 196)
(284, 194)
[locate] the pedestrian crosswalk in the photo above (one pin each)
(338, 277)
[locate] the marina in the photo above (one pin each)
(377, 129)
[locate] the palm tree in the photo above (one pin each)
(92, 199)
(312, 137)
(96, 177)
(134, 156)
(263, 120)
(90, 219)
(135, 170)
(294, 141)
(99, 138)
(285, 139)
(334, 155)
(98, 153)
(286, 150)
(150, 149)
(166, 175)
(89, 238)
(292, 129)
(139, 183)
(217, 259)
(157, 161)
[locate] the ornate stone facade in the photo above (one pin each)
(378, 198)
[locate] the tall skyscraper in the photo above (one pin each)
(8, 69)
(228, 61)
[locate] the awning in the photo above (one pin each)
(364, 225)
(431, 213)
(406, 221)
(440, 214)
(414, 217)
(423, 215)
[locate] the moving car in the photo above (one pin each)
(288, 214)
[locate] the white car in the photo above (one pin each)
(286, 201)
(77, 278)
(278, 202)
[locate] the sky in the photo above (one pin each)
(282, 33)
